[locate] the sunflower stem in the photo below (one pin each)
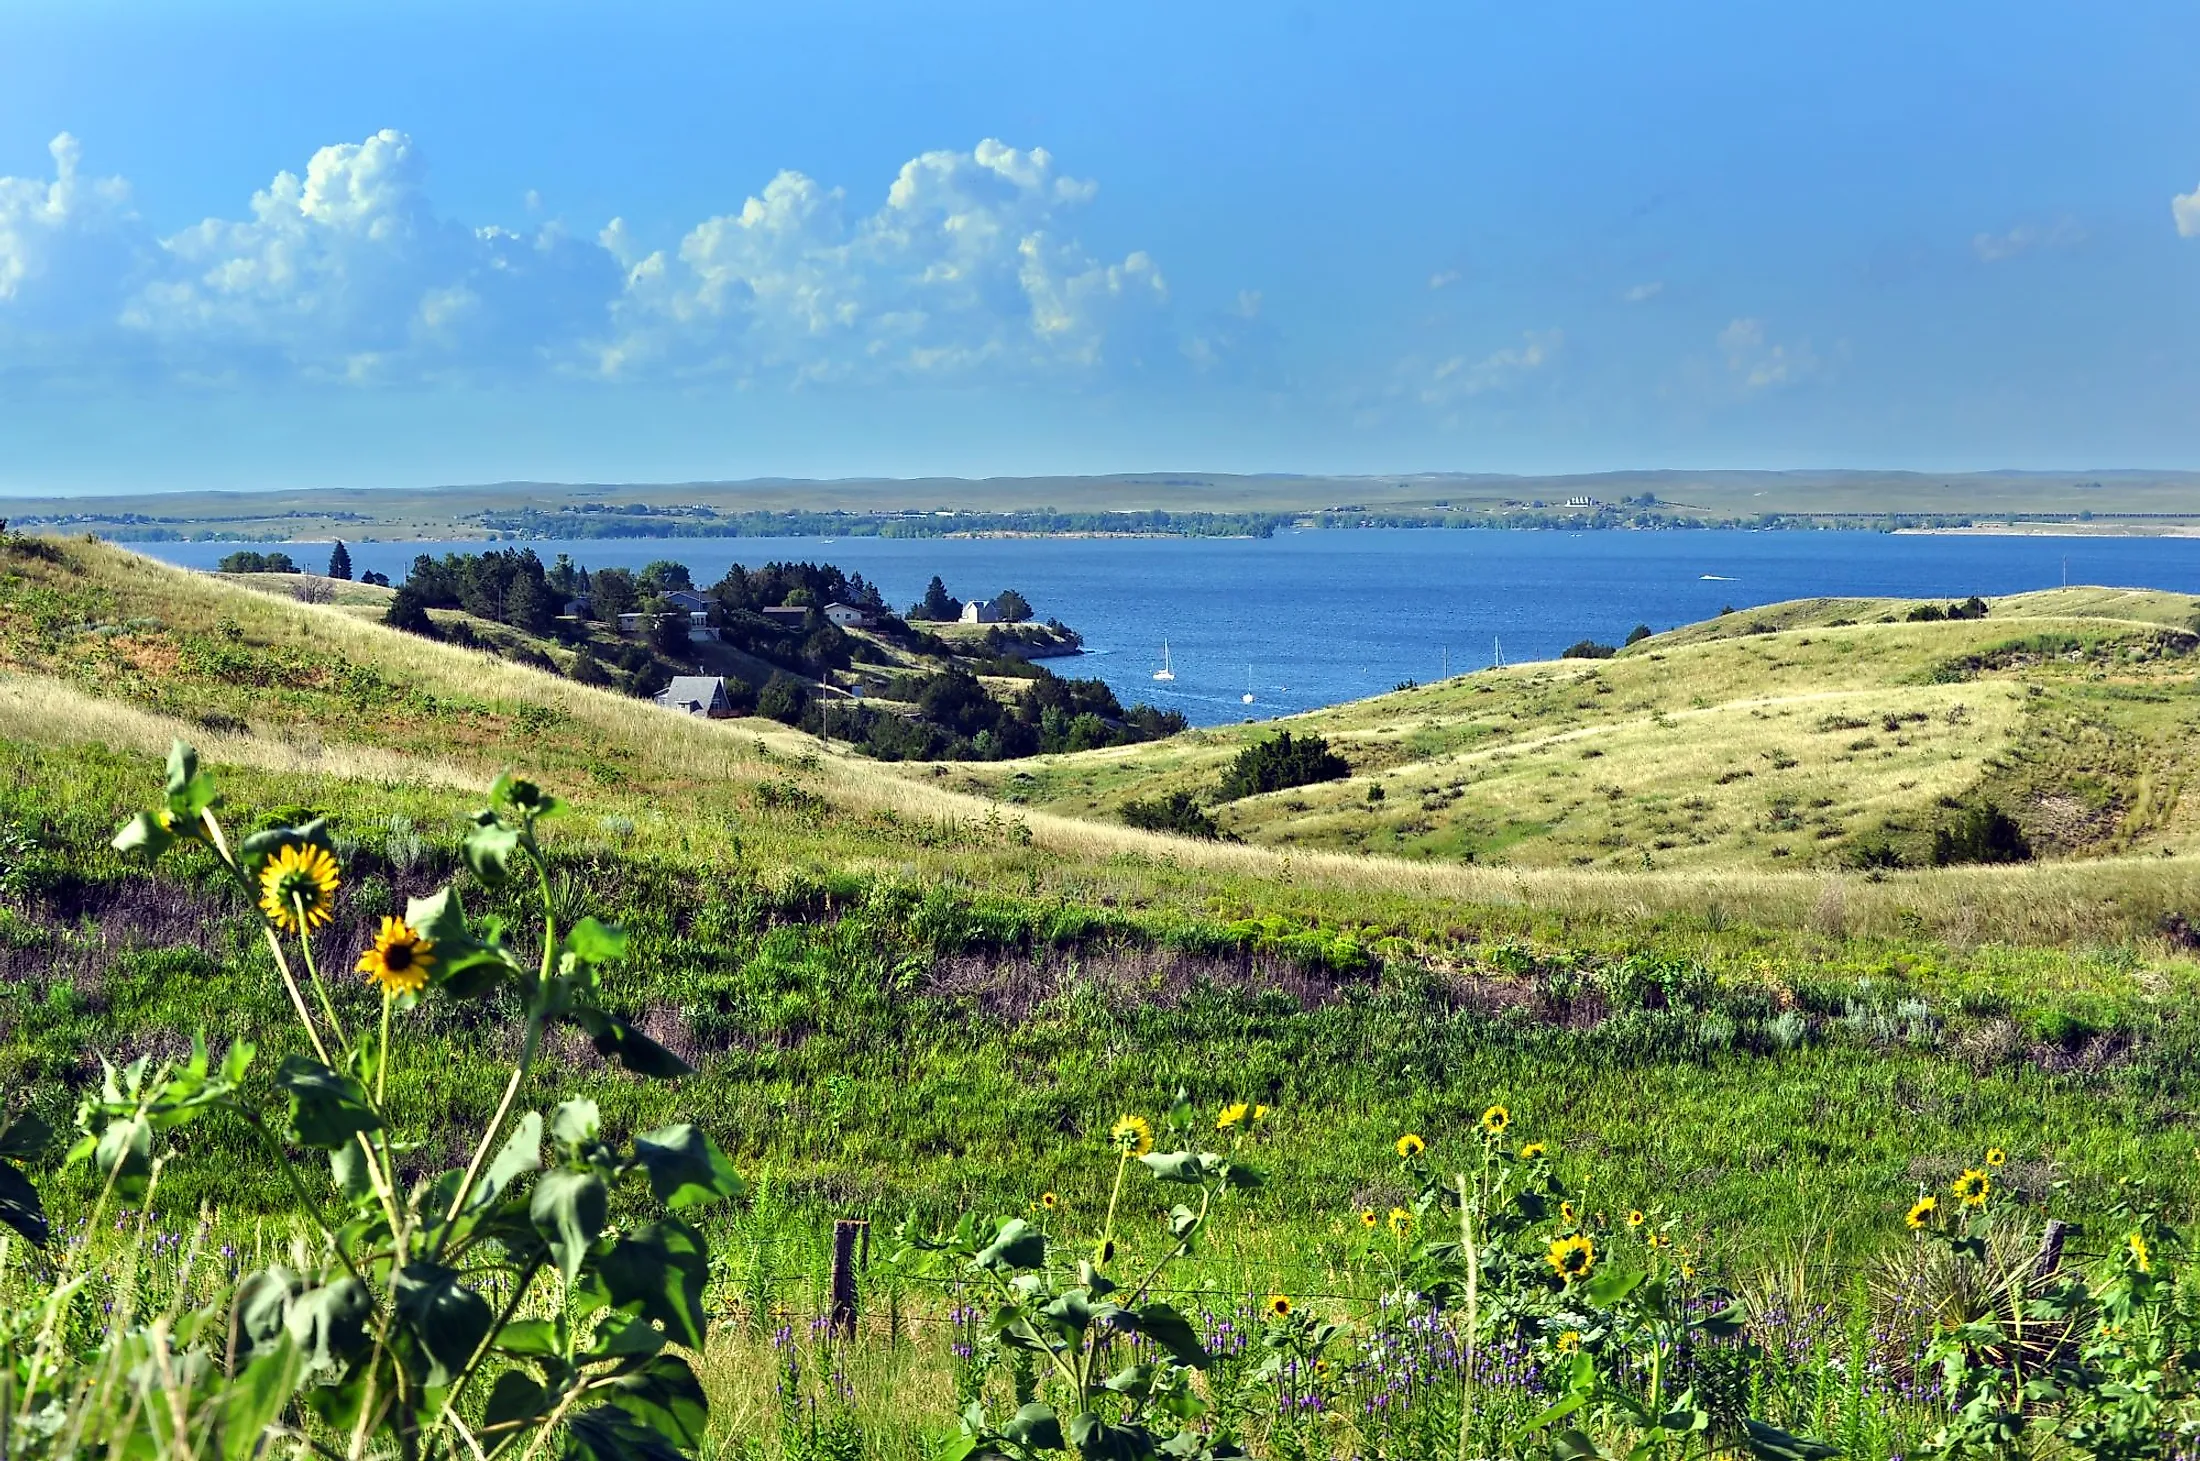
(1474, 1276)
(1107, 1229)
(313, 972)
(382, 1051)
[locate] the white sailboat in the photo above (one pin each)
(1164, 673)
(1247, 697)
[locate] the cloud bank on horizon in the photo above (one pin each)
(347, 272)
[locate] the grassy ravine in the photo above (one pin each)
(899, 996)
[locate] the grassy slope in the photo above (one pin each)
(894, 991)
(1766, 739)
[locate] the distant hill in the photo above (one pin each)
(2126, 500)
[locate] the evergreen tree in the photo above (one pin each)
(408, 611)
(939, 604)
(589, 670)
(339, 561)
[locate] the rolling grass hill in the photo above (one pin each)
(900, 991)
(1824, 734)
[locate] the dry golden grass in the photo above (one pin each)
(39, 711)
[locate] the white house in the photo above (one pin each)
(703, 695)
(635, 623)
(688, 599)
(848, 616)
(983, 611)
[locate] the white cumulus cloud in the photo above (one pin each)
(1463, 376)
(966, 263)
(69, 247)
(1761, 363)
(2185, 209)
(346, 271)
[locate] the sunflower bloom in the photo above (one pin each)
(1368, 1219)
(295, 877)
(2139, 1255)
(1573, 1256)
(1232, 1115)
(1567, 1215)
(1635, 1219)
(1972, 1187)
(400, 958)
(1049, 1201)
(1260, 1113)
(1995, 1156)
(1923, 1211)
(1277, 1307)
(1495, 1120)
(1660, 1240)
(1131, 1135)
(1411, 1146)
(1531, 1151)
(1401, 1221)
(1569, 1341)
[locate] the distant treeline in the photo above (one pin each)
(640, 520)
(646, 522)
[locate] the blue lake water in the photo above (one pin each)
(1313, 618)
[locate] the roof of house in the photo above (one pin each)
(703, 690)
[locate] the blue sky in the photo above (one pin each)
(274, 245)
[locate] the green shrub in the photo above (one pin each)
(1280, 763)
(1177, 812)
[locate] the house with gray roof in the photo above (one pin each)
(703, 695)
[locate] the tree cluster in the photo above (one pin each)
(506, 585)
(245, 560)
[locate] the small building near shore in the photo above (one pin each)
(703, 695)
(848, 616)
(983, 611)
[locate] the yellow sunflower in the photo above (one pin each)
(400, 958)
(1232, 1115)
(1277, 1307)
(1923, 1211)
(1368, 1219)
(1411, 1146)
(2139, 1254)
(1401, 1221)
(295, 877)
(1995, 1156)
(1531, 1151)
(1260, 1113)
(1573, 1256)
(1972, 1187)
(1635, 1219)
(1569, 1341)
(1659, 1240)
(1131, 1135)
(1567, 1215)
(1495, 1120)
(1049, 1201)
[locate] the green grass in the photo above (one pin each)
(901, 995)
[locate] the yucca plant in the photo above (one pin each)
(484, 1311)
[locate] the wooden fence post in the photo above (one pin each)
(842, 1320)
